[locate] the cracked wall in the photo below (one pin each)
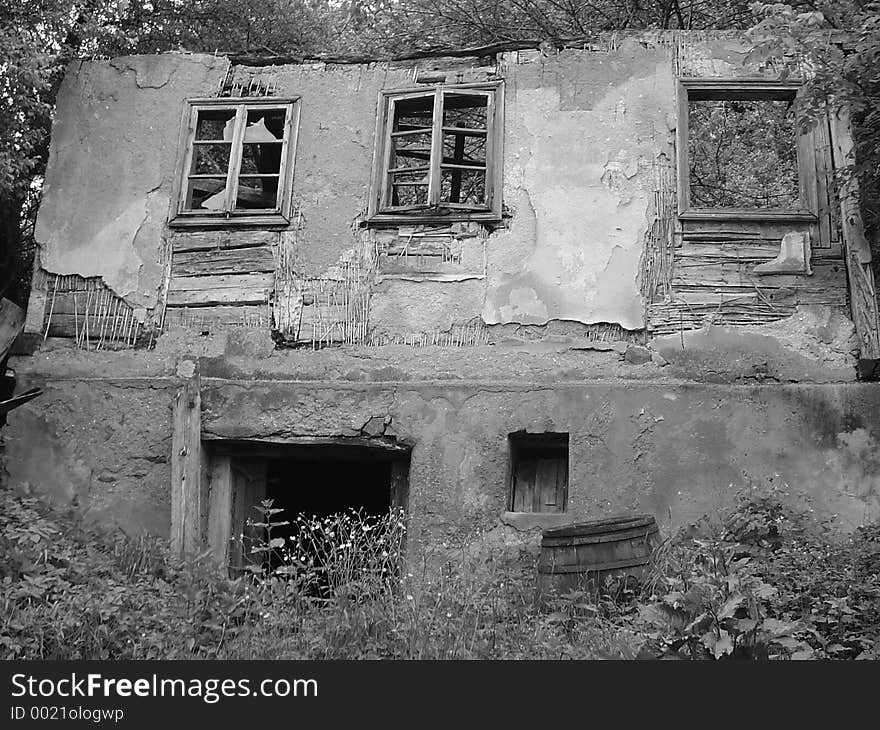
(640, 441)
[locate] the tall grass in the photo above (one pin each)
(336, 588)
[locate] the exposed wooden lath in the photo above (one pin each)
(659, 239)
(325, 310)
(469, 334)
(242, 82)
(86, 310)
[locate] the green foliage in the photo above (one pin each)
(764, 582)
(839, 74)
(742, 154)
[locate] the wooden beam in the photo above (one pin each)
(862, 292)
(225, 289)
(186, 467)
(249, 260)
(11, 323)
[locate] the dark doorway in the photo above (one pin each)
(315, 480)
(324, 479)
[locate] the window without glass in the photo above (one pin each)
(438, 154)
(539, 472)
(237, 162)
(738, 149)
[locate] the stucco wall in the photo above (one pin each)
(675, 449)
(674, 432)
(581, 133)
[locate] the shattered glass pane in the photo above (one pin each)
(265, 125)
(260, 159)
(215, 124)
(205, 194)
(742, 154)
(257, 192)
(211, 158)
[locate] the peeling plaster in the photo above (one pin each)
(112, 167)
(150, 71)
(586, 211)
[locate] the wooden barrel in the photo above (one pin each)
(585, 553)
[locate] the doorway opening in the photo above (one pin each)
(322, 489)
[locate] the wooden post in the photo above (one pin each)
(186, 468)
(11, 323)
(857, 252)
(220, 509)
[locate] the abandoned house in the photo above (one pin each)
(505, 289)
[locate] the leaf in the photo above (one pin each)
(723, 646)
(731, 605)
(777, 628)
(804, 654)
(708, 640)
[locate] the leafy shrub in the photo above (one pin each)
(767, 581)
(764, 582)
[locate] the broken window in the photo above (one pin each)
(738, 149)
(439, 154)
(237, 162)
(539, 472)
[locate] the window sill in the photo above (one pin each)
(392, 219)
(271, 220)
(743, 214)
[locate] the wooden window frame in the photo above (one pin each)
(524, 447)
(435, 212)
(744, 90)
(279, 216)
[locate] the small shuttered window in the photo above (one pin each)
(539, 472)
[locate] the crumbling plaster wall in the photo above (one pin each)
(103, 446)
(640, 441)
(581, 133)
(334, 155)
(112, 168)
(675, 451)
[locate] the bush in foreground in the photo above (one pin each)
(765, 582)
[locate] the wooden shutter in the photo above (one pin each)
(540, 484)
(248, 480)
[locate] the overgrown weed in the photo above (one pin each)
(763, 582)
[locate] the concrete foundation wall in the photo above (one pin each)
(674, 449)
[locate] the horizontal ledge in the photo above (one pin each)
(264, 221)
(379, 443)
(412, 220)
(221, 101)
(733, 214)
(439, 277)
